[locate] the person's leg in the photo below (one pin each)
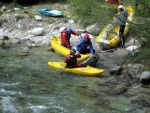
(93, 50)
(78, 64)
(82, 51)
(121, 35)
(65, 45)
(85, 51)
(88, 51)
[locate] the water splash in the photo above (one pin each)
(8, 92)
(8, 106)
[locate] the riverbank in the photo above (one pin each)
(121, 79)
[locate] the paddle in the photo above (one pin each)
(78, 31)
(107, 50)
(63, 68)
(59, 69)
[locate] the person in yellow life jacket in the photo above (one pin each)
(71, 59)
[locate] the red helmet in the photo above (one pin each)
(86, 36)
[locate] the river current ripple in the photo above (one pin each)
(29, 85)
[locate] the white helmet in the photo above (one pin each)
(120, 7)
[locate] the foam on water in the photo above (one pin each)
(42, 108)
(8, 106)
(11, 84)
(6, 92)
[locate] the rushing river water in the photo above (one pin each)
(29, 85)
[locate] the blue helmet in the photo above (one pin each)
(69, 30)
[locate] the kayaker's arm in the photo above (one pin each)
(91, 47)
(79, 44)
(75, 33)
(78, 55)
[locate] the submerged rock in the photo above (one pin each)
(22, 53)
(119, 89)
(141, 100)
(49, 49)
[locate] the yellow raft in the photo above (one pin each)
(56, 45)
(88, 70)
(109, 36)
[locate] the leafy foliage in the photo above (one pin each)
(18, 18)
(92, 11)
(140, 27)
(141, 31)
(1, 13)
(28, 2)
(141, 57)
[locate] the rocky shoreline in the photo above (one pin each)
(20, 28)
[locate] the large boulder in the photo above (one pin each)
(38, 31)
(94, 29)
(4, 8)
(38, 18)
(145, 78)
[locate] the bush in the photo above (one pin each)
(32, 1)
(141, 31)
(91, 11)
(18, 18)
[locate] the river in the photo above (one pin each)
(29, 85)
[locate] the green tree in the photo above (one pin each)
(142, 11)
(141, 31)
(92, 11)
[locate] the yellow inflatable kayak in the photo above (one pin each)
(91, 71)
(109, 36)
(56, 45)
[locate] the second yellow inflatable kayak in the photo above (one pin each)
(88, 70)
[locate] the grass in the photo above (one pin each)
(141, 57)
(18, 18)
